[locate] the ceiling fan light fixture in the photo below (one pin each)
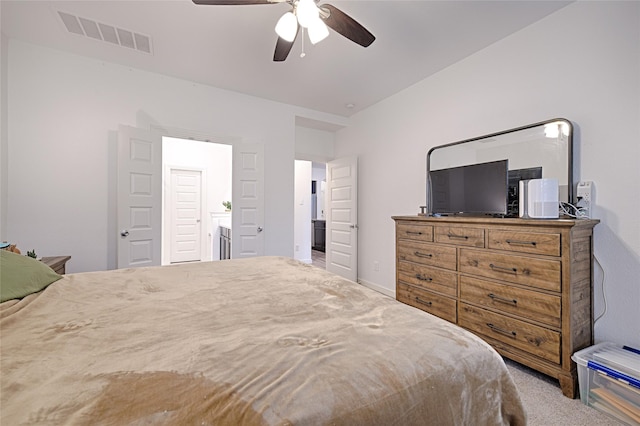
(287, 27)
(318, 31)
(307, 13)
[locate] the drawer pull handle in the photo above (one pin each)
(458, 237)
(503, 269)
(423, 278)
(511, 334)
(503, 299)
(414, 233)
(417, 253)
(522, 243)
(423, 302)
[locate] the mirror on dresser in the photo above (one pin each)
(539, 150)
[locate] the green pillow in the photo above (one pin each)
(22, 275)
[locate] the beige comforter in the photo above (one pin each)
(254, 341)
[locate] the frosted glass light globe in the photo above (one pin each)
(287, 27)
(307, 13)
(318, 31)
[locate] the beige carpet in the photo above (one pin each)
(545, 404)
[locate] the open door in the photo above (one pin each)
(342, 217)
(247, 237)
(139, 197)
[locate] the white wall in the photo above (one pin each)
(302, 211)
(581, 63)
(4, 134)
(64, 112)
(319, 171)
(314, 144)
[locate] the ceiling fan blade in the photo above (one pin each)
(235, 2)
(345, 25)
(283, 47)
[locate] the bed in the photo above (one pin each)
(261, 341)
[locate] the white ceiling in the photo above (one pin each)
(231, 47)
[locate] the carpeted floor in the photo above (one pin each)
(545, 404)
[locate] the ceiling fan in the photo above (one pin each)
(306, 14)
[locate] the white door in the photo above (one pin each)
(185, 216)
(247, 208)
(139, 199)
(341, 199)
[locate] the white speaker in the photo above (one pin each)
(542, 198)
(523, 198)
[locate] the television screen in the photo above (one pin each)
(477, 189)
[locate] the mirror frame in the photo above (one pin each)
(570, 182)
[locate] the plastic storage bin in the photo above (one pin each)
(609, 379)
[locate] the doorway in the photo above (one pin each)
(197, 185)
(337, 211)
(141, 174)
(318, 219)
(309, 213)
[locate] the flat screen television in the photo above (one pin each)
(476, 189)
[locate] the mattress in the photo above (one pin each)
(261, 341)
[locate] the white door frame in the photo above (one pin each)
(205, 243)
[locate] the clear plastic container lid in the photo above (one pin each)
(620, 362)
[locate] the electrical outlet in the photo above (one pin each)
(584, 191)
(584, 194)
(376, 266)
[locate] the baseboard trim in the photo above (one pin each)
(377, 288)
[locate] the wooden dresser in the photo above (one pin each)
(57, 263)
(523, 285)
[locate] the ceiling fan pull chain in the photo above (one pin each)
(302, 55)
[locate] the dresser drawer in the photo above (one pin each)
(414, 231)
(528, 304)
(539, 341)
(525, 242)
(435, 279)
(540, 273)
(427, 254)
(441, 306)
(460, 236)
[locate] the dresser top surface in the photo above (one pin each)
(560, 222)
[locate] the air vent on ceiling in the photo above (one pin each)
(104, 32)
